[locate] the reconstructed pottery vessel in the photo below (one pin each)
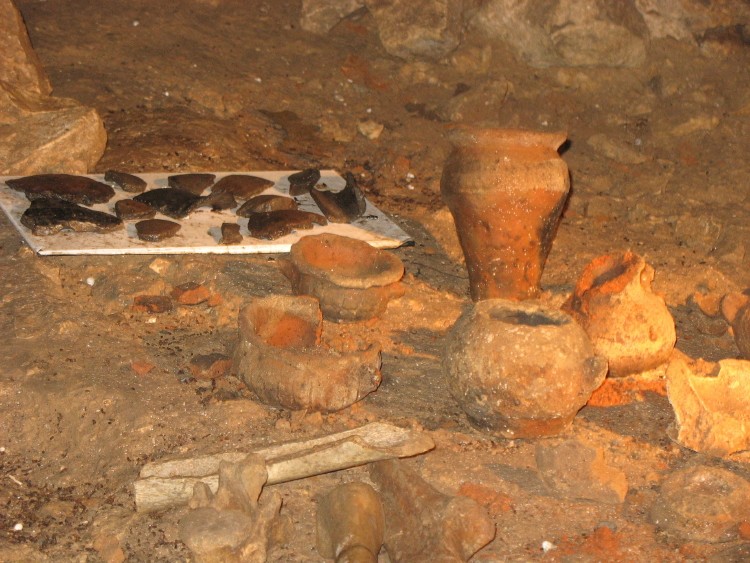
(506, 190)
(352, 280)
(280, 358)
(627, 323)
(520, 369)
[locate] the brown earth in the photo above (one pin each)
(93, 387)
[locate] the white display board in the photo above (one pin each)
(201, 230)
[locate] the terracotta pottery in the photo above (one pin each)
(627, 323)
(352, 280)
(280, 358)
(520, 369)
(506, 190)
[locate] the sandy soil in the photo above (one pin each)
(192, 87)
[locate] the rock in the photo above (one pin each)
(276, 224)
(319, 16)
(50, 216)
(155, 230)
(265, 203)
(172, 202)
(66, 187)
(152, 304)
(192, 183)
(574, 470)
(190, 293)
(422, 524)
(370, 129)
(242, 186)
(711, 406)
(350, 524)
(352, 280)
(42, 134)
(130, 209)
(731, 304)
(303, 181)
(520, 369)
(125, 181)
(231, 526)
(210, 366)
(280, 358)
(19, 65)
(627, 322)
(418, 28)
(230, 234)
(702, 503)
(343, 206)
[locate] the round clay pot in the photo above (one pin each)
(279, 357)
(506, 190)
(627, 323)
(352, 280)
(520, 369)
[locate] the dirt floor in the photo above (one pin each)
(193, 87)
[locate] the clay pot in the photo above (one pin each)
(352, 280)
(627, 323)
(280, 358)
(506, 190)
(520, 369)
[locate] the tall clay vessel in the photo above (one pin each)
(506, 190)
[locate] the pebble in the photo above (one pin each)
(370, 129)
(190, 293)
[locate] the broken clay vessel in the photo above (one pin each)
(520, 369)
(352, 280)
(281, 359)
(506, 190)
(628, 324)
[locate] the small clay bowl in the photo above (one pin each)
(352, 280)
(280, 358)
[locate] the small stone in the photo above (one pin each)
(126, 182)
(576, 470)
(155, 230)
(152, 304)
(702, 503)
(370, 129)
(194, 184)
(230, 234)
(129, 209)
(210, 366)
(141, 368)
(190, 293)
(159, 266)
(708, 303)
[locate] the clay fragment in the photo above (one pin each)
(265, 203)
(302, 182)
(242, 186)
(520, 369)
(195, 184)
(230, 234)
(422, 524)
(124, 181)
(351, 279)
(49, 216)
(576, 470)
(155, 230)
(280, 358)
(276, 224)
(67, 187)
(130, 209)
(350, 524)
(232, 525)
(172, 202)
(628, 324)
(702, 503)
(343, 206)
(711, 406)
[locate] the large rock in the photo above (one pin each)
(19, 64)
(40, 134)
(418, 28)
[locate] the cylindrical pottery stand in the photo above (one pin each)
(506, 190)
